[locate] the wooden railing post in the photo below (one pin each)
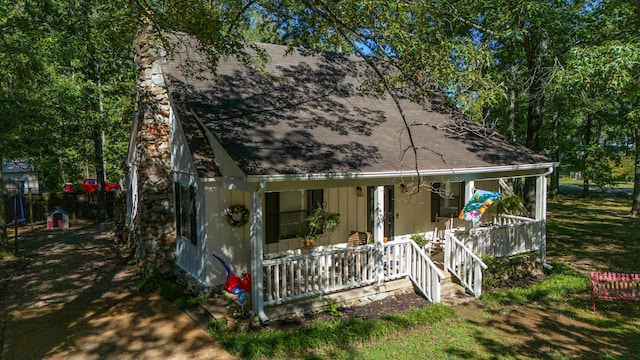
(378, 232)
(477, 280)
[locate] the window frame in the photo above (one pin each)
(186, 225)
(273, 213)
(436, 199)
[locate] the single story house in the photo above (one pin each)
(232, 162)
(19, 175)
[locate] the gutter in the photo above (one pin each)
(391, 174)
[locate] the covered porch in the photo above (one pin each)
(316, 273)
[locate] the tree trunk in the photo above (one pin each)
(585, 166)
(3, 224)
(100, 175)
(635, 205)
(534, 112)
(554, 184)
(511, 133)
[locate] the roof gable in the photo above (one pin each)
(16, 166)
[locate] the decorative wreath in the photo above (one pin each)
(237, 215)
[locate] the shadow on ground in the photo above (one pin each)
(77, 299)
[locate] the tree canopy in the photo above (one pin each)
(558, 76)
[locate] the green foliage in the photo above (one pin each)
(332, 308)
(169, 288)
(420, 239)
(495, 271)
(321, 223)
(68, 72)
(237, 312)
(509, 204)
(623, 170)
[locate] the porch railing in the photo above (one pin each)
(405, 258)
(511, 235)
(460, 261)
(301, 276)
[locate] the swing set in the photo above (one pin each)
(18, 204)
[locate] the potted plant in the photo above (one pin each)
(320, 223)
(238, 318)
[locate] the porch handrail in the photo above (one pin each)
(515, 217)
(460, 261)
(420, 269)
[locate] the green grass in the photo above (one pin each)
(568, 181)
(435, 329)
(561, 285)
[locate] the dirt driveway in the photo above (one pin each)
(76, 298)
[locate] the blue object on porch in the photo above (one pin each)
(477, 205)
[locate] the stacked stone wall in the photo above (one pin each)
(154, 229)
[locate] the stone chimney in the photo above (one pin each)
(154, 230)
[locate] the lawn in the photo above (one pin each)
(550, 319)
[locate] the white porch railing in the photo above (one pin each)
(405, 258)
(511, 236)
(460, 261)
(300, 276)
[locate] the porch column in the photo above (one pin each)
(256, 235)
(378, 231)
(469, 187)
(541, 214)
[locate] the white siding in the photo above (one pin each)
(232, 244)
(413, 212)
(189, 257)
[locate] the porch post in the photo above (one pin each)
(256, 236)
(468, 190)
(378, 231)
(541, 214)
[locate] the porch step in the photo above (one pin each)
(452, 293)
(211, 309)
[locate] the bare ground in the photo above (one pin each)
(75, 297)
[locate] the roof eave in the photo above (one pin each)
(526, 169)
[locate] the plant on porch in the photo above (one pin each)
(420, 239)
(320, 223)
(509, 204)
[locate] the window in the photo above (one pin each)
(446, 200)
(285, 213)
(185, 212)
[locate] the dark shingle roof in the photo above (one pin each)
(306, 113)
